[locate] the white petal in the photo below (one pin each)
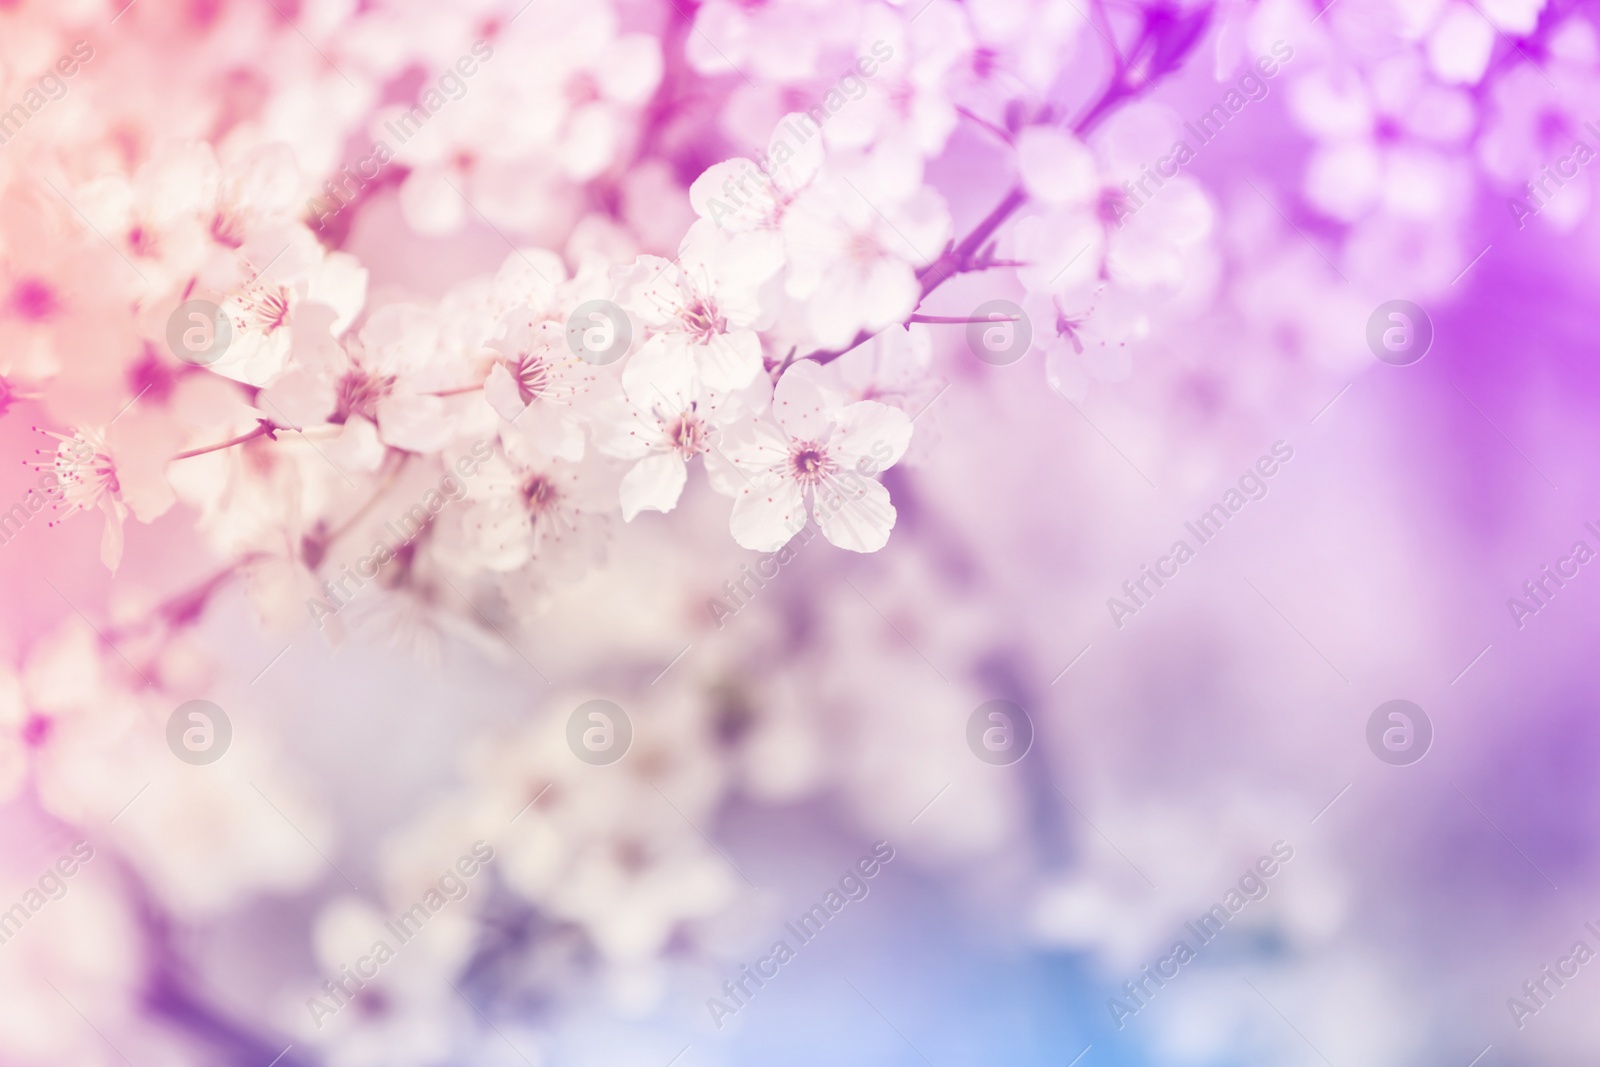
(649, 290)
(767, 514)
(142, 444)
(503, 534)
(1459, 48)
(300, 397)
(800, 403)
(357, 448)
(414, 422)
(725, 478)
(854, 513)
(754, 446)
(340, 283)
(111, 536)
(1056, 167)
(253, 358)
(733, 195)
(807, 157)
(661, 374)
(1064, 370)
(654, 484)
(630, 69)
(502, 393)
(872, 436)
(730, 361)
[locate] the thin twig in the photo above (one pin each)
(264, 428)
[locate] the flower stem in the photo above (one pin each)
(185, 608)
(264, 428)
(955, 320)
(968, 256)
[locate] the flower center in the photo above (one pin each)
(582, 89)
(688, 435)
(1114, 205)
(863, 248)
(535, 377)
(359, 393)
(36, 731)
(542, 495)
(143, 242)
(985, 62)
(702, 321)
(263, 307)
(809, 464)
(227, 229)
(633, 856)
(373, 1003)
(84, 471)
(34, 300)
(1068, 328)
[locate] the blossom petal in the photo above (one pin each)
(661, 375)
(755, 446)
(767, 513)
(654, 484)
(111, 536)
(502, 393)
(650, 290)
(854, 513)
(1056, 167)
(340, 283)
(800, 402)
(730, 361)
(414, 422)
(872, 433)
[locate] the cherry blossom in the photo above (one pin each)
(116, 471)
(525, 509)
(670, 419)
(538, 375)
(854, 247)
(703, 311)
(391, 375)
(271, 276)
(823, 455)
